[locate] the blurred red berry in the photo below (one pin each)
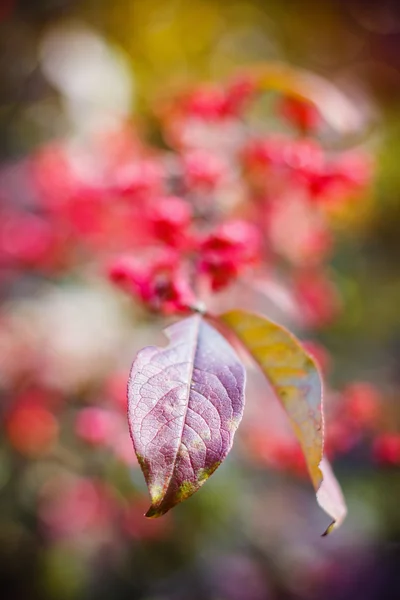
(300, 112)
(206, 102)
(83, 212)
(170, 218)
(96, 426)
(138, 180)
(53, 177)
(281, 151)
(386, 449)
(287, 455)
(340, 437)
(225, 252)
(171, 293)
(261, 153)
(362, 404)
(238, 94)
(277, 452)
(303, 157)
(340, 179)
(31, 429)
(126, 273)
(159, 283)
(26, 239)
(131, 272)
(203, 170)
(211, 103)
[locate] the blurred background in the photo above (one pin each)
(81, 81)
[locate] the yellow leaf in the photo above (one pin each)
(297, 382)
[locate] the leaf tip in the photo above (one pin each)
(329, 529)
(154, 512)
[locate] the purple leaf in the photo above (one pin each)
(185, 403)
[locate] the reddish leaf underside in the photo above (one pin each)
(185, 403)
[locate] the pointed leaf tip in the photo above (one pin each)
(185, 402)
(330, 496)
(296, 381)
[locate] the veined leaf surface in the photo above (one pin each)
(185, 403)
